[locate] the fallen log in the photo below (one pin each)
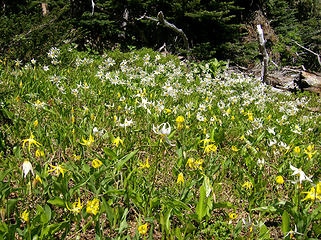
(310, 82)
(296, 81)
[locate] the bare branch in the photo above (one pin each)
(92, 7)
(318, 55)
(160, 19)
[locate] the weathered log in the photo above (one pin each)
(310, 82)
(296, 81)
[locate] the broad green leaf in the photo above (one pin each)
(201, 205)
(108, 210)
(190, 227)
(179, 152)
(174, 203)
(316, 227)
(178, 233)
(125, 159)
(4, 174)
(3, 227)
(57, 202)
(154, 202)
(167, 220)
(237, 229)
(110, 153)
(208, 186)
(223, 205)
(270, 209)
(285, 222)
(11, 204)
(129, 176)
(114, 192)
(46, 215)
(86, 168)
(123, 224)
(264, 232)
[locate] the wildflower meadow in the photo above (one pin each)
(140, 145)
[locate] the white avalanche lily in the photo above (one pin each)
(164, 130)
(26, 168)
(300, 173)
(126, 123)
(291, 233)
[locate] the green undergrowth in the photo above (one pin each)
(144, 146)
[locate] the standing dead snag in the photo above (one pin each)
(160, 19)
(264, 53)
(45, 10)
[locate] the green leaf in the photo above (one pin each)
(129, 176)
(86, 168)
(3, 227)
(115, 192)
(316, 227)
(174, 203)
(264, 232)
(270, 209)
(57, 202)
(4, 174)
(201, 206)
(123, 224)
(46, 215)
(125, 159)
(155, 202)
(223, 205)
(190, 227)
(110, 153)
(179, 152)
(178, 233)
(108, 210)
(237, 229)
(285, 222)
(208, 186)
(11, 204)
(167, 220)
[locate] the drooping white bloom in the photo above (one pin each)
(271, 130)
(298, 172)
(293, 232)
(164, 130)
(272, 142)
(96, 132)
(126, 123)
(26, 168)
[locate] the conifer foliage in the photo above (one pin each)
(214, 28)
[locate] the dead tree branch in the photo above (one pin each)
(39, 27)
(318, 55)
(161, 20)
